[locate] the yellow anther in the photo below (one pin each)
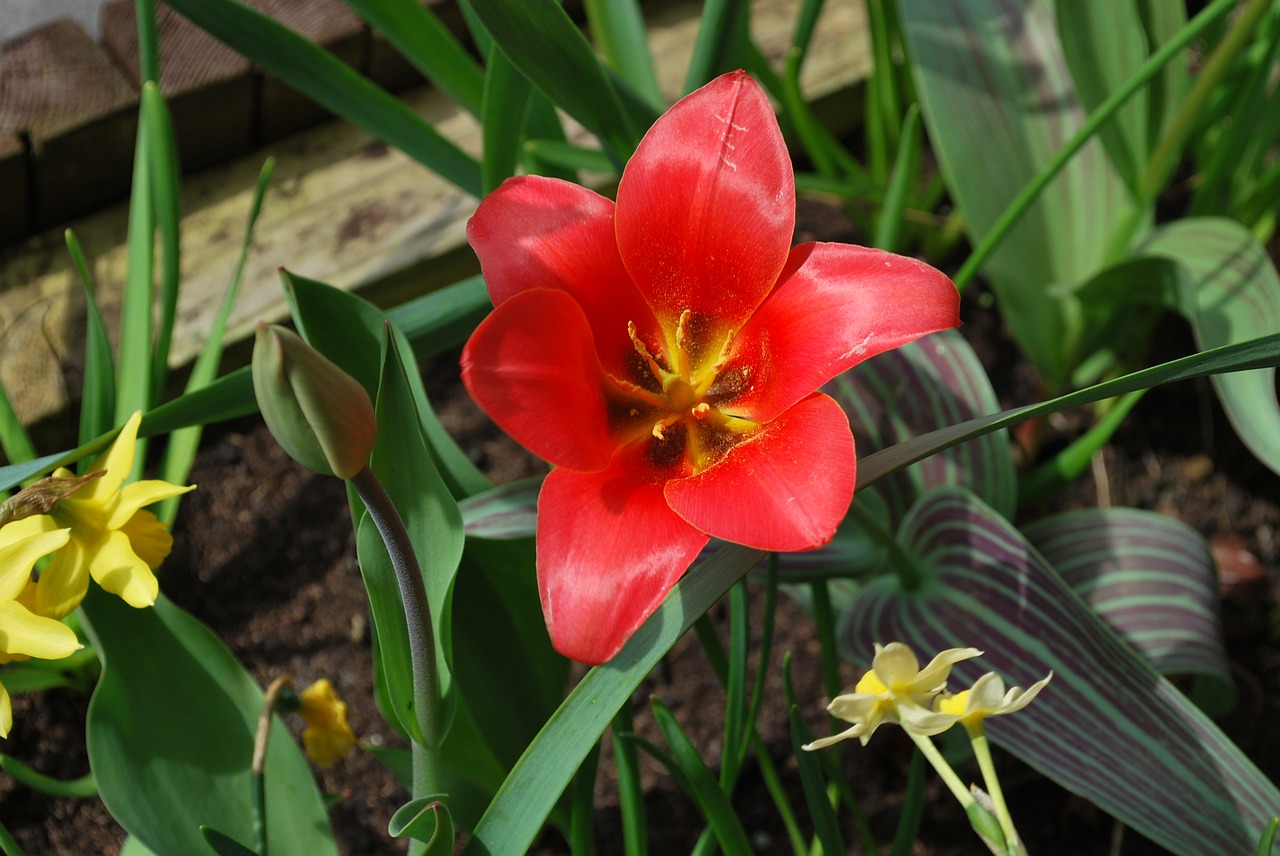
(702, 410)
(644, 352)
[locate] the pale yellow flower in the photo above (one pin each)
(327, 737)
(987, 697)
(114, 539)
(23, 633)
(895, 685)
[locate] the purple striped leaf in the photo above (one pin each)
(1151, 579)
(1108, 727)
(930, 384)
(503, 513)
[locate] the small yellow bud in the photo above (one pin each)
(318, 413)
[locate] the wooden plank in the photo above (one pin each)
(343, 209)
(207, 85)
(77, 113)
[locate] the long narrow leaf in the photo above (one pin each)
(331, 83)
(422, 39)
(528, 794)
(163, 162)
(617, 27)
(98, 397)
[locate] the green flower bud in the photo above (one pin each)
(318, 413)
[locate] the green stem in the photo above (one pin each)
(258, 771)
(982, 750)
(1096, 120)
(899, 561)
(1168, 151)
(417, 613)
(949, 777)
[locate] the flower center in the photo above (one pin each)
(686, 431)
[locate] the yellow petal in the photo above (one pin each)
(63, 582)
(19, 529)
(117, 461)
(119, 570)
(6, 712)
(23, 632)
(149, 538)
(133, 497)
(19, 556)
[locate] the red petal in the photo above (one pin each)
(531, 365)
(535, 232)
(786, 488)
(835, 306)
(609, 550)
(706, 206)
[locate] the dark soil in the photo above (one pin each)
(264, 555)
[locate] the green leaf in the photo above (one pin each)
(80, 788)
(1153, 581)
(402, 463)
(328, 81)
(506, 97)
(503, 513)
(98, 397)
(421, 38)
(999, 103)
(618, 29)
(1108, 726)
(697, 780)
(425, 819)
(133, 381)
(1104, 44)
(545, 769)
(722, 44)
(1237, 297)
(225, 845)
(1258, 353)
(162, 161)
(170, 733)
(928, 385)
(546, 46)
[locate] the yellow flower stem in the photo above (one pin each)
(417, 613)
(982, 750)
(949, 777)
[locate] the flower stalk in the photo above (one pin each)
(426, 680)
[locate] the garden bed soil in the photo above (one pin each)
(265, 556)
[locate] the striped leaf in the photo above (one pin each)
(1150, 578)
(1237, 297)
(918, 388)
(1108, 727)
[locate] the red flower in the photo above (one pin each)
(664, 352)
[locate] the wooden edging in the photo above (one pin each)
(343, 208)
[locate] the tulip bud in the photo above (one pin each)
(318, 413)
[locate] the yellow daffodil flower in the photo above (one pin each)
(895, 685)
(113, 539)
(327, 737)
(23, 633)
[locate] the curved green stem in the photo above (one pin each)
(949, 777)
(417, 613)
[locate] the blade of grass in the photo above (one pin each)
(148, 41)
(735, 690)
(700, 784)
(133, 384)
(825, 825)
(98, 396)
(582, 838)
(635, 839)
(721, 44)
(181, 448)
(163, 163)
(14, 439)
(904, 838)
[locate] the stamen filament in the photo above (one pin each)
(657, 370)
